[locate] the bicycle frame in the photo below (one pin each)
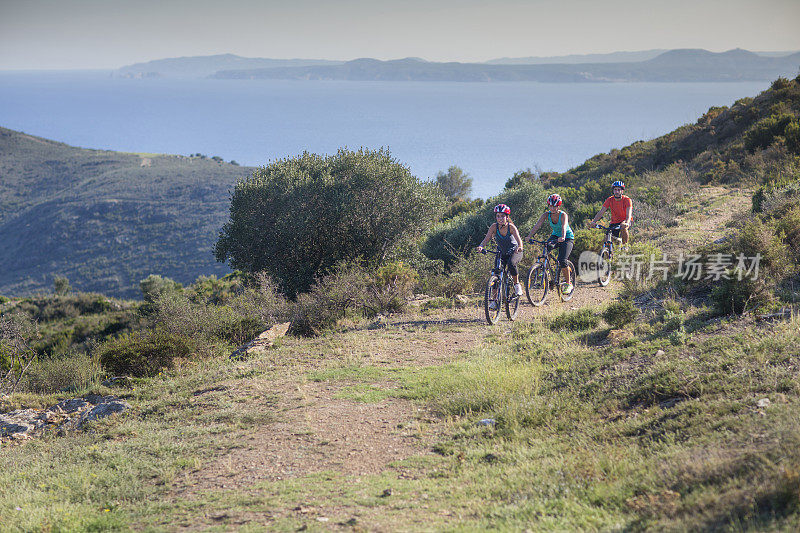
(546, 272)
(504, 288)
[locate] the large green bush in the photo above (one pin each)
(734, 295)
(296, 218)
(144, 353)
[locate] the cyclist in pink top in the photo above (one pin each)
(621, 208)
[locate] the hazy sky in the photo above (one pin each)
(37, 34)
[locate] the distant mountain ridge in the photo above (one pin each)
(204, 66)
(690, 65)
(681, 65)
(612, 57)
(105, 219)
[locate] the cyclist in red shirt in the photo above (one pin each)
(621, 208)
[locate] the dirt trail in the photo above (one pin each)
(321, 427)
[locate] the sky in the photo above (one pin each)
(107, 34)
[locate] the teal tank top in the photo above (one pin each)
(557, 227)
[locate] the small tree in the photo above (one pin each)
(61, 286)
(16, 354)
(455, 184)
(297, 218)
(154, 286)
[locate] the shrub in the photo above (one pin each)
(73, 371)
(764, 132)
(16, 354)
(788, 226)
(330, 299)
(579, 320)
(735, 296)
(154, 286)
(466, 275)
(297, 218)
(585, 239)
(792, 136)
(620, 313)
(757, 237)
(144, 353)
(397, 277)
(61, 286)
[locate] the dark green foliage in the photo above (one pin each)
(345, 289)
(455, 184)
(16, 355)
(725, 145)
(788, 226)
(460, 207)
(523, 176)
(736, 295)
(61, 286)
(144, 353)
(765, 131)
(455, 237)
(235, 318)
(296, 218)
(620, 313)
(154, 287)
(587, 239)
(579, 320)
(759, 238)
(465, 275)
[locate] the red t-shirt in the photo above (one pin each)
(618, 208)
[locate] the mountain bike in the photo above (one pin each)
(606, 255)
(499, 290)
(545, 273)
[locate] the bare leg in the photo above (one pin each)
(565, 275)
(623, 232)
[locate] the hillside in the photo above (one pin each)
(650, 404)
(104, 219)
(750, 141)
(671, 66)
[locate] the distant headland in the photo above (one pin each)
(680, 65)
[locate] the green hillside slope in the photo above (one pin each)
(106, 219)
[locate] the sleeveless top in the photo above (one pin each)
(506, 242)
(557, 226)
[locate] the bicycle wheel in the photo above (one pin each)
(604, 267)
(512, 301)
(536, 285)
(491, 299)
(565, 297)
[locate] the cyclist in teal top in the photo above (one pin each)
(561, 237)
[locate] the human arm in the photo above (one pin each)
(515, 233)
(536, 227)
(628, 214)
(489, 235)
(598, 216)
(564, 224)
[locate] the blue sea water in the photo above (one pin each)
(490, 130)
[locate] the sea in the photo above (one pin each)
(490, 130)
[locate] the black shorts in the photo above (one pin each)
(564, 249)
(509, 259)
(615, 229)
